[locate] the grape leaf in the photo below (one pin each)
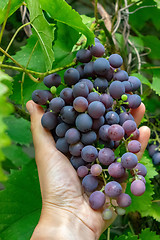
(127, 237)
(155, 84)
(153, 43)
(147, 161)
(43, 30)
(19, 130)
(60, 11)
(147, 234)
(20, 204)
(142, 79)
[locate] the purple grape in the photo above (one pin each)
(80, 89)
(124, 116)
(49, 120)
(124, 200)
(82, 171)
(77, 162)
(152, 150)
(84, 122)
(88, 82)
(75, 149)
(128, 86)
(68, 114)
(62, 145)
(71, 76)
(80, 69)
(80, 104)
(116, 132)
(141, 169)
(61, 129)
(135, 134)
(123, 178)
(88, 138)
(56, 104)
(136, 83)
(129, 160)
(112, 117)
(129, 127)
(115, 60)
(97, 200)
(96, 170)
(52, 80)
(121, 76)
(96, 109)
(98, 50)
(96, 40)
(88, 70)
(107, 100)
(106, 156)
(137, 187)
(116, 170)
(90, 183)
(72, 136)
(97, 123)
(103, 132)
(109, 74)
(89, 153)
(40, 97)
(93, 96)
(134, 101)
(84, 56)
(109, 144)
(101, 66)
(100, 84)
(156, 158)
(134, 146)
(140, 177)
(113, 189)
(67, 95)
(116, 89)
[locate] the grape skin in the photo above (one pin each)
(123, 200)
(113, 189)
(52, 80)
(72, 136)
(129, 126)
(61, 129)
(77, 162)
(96, 109)
(152, 149)
(88, 70)
(106, 156)
(75, 149)
(40, 97)
(68, 114)
(89, 153)
(80, 69)
(80, 104)
(116, 170)
(97, 200)
(107, 214)
(100, 84)
(124, 116)
(96, 170)
(84, 122)
(62, 145)
(93, 96)
(88, 82)
(107, 100)
(97, 123)
(84, 56)
(129, 160)
(115, 60)
(116, 89)
(112, 117)
(82, 171)
(49, 120)
(134, 146)
(101, 66)
(134, 101)
(136, 83)
(137, 187)
(67, 95)
(98, 50)
(80, 89)
(141, 169)
(56, 104)
(116, 132)
(156, 158)
(121, 76)
(71, 76)
(88, 138)
(90, 183)
(103, 132)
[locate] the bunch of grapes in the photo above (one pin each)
(90, 120)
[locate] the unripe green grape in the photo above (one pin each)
(53, 90)
(107, 214)
(120, 211)
(124, 97)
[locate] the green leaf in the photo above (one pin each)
(20, 204)
(43, 30)
(60, 11)
(147, 234)
(153, 43)
(153, 211)
(156, 80)
(130, 236)
(158, 3)
(15, 4)
(138, 43)
(147, 161)
(142, 79)
(19, 130)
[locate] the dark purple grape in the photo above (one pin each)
(113, 189)
(88, 82)
(90, 183)
(134, 101)
(116, 89)
(80, 89)
(152, 149)
(141, 169)
(109, 144)
(116, 170)
(100, 84)
(116, 132)
(71, 76)
(123, 200)
(101, 66)
(98, 50)
(106, 156)
(80, 104)
(80, 69)
(124, 116)
(52, 80)
(103, 132)
(88, 138)
(77, 162)
(112, 117)
(84, 122)
(136, 83)
(121, 76)
(140, 177)
(156, 158)
(49, 120)
(97, 123)
(72, 136)
(62, 145)
(128, 86)
(97, 200)
(82, 171)
(88, 70)
(96, 170)
(96, 40)
(89, 153)
(93, 96)
(68, 114)
(129, 127)
(109, 74)
(129, 160)
(75, 149)
(137, 187)
(84, 56)
(135, 134)
(49, 95)
(61, 129)
(134, 146)
(115, 60)
(123, 178)
(40, 97)
(56, 104)
(67, 95)
(96, 109)
(107, 100)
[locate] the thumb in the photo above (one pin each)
(41, 137)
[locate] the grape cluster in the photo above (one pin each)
(90, 120)
(154, 152)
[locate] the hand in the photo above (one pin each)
(65, 207)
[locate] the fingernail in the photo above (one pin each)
(30, 107)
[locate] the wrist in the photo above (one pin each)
(61, 224)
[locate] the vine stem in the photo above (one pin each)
(5, 20)
(131, 228)
(108, 233)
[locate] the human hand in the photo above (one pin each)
(66, 212)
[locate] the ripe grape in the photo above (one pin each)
(80, 69)
(134, 146)
(129, 160)
(68, 114)
(121, 76)
(40, 97)
(82, 171)
(80, 104)
(156, 158)
(77, 162)
(100, 84)
(101, 66)
(97, 123)
(129, 126)
(88, 82)
(134, 101)
(112, 117)
(89, 153)
(88, 70)
(49, 120)
(90, 183)
(141, 169)
(88, 138)
(53, 79)
(152, 149)
(97, 200)
(123, 200)
(96, 169)
(140, 177)
(115, 60)
(75, 149)
(72, 136)
(107, 100)
(98, 50)
(113, 189)
(103, 132)
(62, 145)
(67, 95)
(136, 83)
(84, 122)
(115, 132)
(137, 187)
(61, 129)
(124, 116)
(116, 170)
(80, 89)
(71, 76)
(93, 96)
(56, 104)
(96, 109)
(84, 56)
(116, 89)
(128, 86)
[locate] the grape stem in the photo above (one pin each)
(5, 20)
(108, 234)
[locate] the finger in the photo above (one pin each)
(138, 113)
(42, 138)
(143, 139)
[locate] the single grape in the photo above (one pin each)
(106, 156)
(80, 69)
(49, 120)
(84, 122)
(71, 76)
(48, 94)
(113, 189)
(56, 104)
(121, 76)
(129, 160)
(134, 146)
(88, 138)
(88, 82)
(98, 50)
(84, 56)
(135, 134)
(152, 149)
(53, 90)
(109, 74)
(89, 153)
(90, 183)
(120, 211)
(96, 109)
(123, 200)
(141, 169)
(112, 117)
(62, 145)
(136, 83)
(72, 136)
(100, 84)
(80, 104)
(53, 79)
(97, 200)
(101, 66)
(107, 100)
(77, 162)
(116, 170)
(97, 123)
(103, 132)
(116, 132)
(40, 97)
(93, 96)
(115, 60)
(96, 170)
(61, 129)
(107, 214)
(82, 171)
(140, 177)
(128, 86)
(88, 70)
(134, 101)
(116, 89)
(67, 95)
(156, 158)
(68, 114)
(124, 116)
(80, 89)
(137, 187)
(96, 40)
(75, 149)
(129, 127)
